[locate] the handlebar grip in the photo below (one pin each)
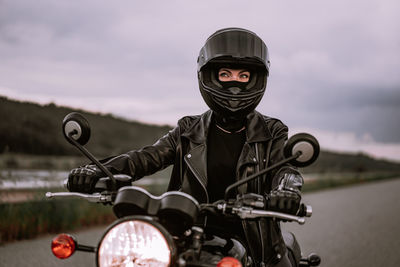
(105, 183)
(305, 210)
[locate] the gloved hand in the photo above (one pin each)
(286, 197)
(83, 179)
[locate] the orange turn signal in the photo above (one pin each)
(63, 246)
(229, 262)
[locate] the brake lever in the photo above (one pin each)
(250, 213)
(95, 197)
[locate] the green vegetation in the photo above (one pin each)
(29, 128)
(12, 161)
(29, 219)
(24, 220)
(333, 162)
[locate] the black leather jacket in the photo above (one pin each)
(185, 147)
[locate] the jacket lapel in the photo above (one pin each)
(248, 156)
(256, 131)
(256, 128)
(196, 158)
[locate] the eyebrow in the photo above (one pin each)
(228, 70)
(224, 69)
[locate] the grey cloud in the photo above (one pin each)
(364, 111)
(333, 66)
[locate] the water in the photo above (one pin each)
(30, 179)
(36, 179)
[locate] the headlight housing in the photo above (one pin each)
(135, 241)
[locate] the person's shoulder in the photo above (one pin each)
(189, 120)
(274, 125)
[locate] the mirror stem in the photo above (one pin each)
(94, 160)
(251, 177)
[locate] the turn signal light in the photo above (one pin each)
(229, 262)
(63, 246)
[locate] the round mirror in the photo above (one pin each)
(75, 126)
(304, 143)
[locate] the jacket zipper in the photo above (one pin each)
(259, 179)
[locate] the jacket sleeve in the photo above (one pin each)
(148, 160)
(286, 176)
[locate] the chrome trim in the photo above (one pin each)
(96, 197)
(246, 213)
(182, 194)
(161, 196)
(308, 211)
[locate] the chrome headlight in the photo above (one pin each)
(135, 241)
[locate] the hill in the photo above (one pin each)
(30, 128)
(33, 129)
(334, 162)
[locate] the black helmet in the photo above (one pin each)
(234, 48)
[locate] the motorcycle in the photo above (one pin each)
(162, 230)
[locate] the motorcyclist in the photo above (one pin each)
(226, 143)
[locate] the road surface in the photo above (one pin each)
(353, 226)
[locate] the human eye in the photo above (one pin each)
(224, 75)
(244, 76)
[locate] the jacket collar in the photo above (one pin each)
(256, 128)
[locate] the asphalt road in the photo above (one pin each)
(353, 226)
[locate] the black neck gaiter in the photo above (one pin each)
(230, 124)
(233, 84)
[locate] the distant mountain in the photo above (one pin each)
(30, 128)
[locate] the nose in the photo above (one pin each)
(235, 78)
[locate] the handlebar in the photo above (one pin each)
(101, 194)
(252, 214)
(249, 207)
(246, 212)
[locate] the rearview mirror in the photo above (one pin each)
(75, 126)
(304, 143)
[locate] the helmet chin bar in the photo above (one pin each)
(225, 110)
(233, 105)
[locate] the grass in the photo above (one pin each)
(29, 219)
(26, 220)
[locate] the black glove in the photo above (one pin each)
(83, 179)
(286, 197)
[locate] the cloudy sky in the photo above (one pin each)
(334, 64)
